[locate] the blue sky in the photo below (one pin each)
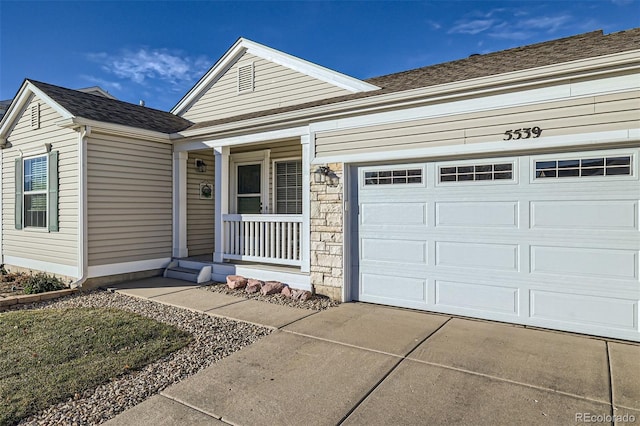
(157, 50)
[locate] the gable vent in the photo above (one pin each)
(245, 78)
(35, 116)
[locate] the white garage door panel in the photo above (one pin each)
(485, 298)
(394, 250)
(588, 215)
(501, 257)
(525, 247)
(393, 287)
(477, 214)
(393, 214)
(580, 309)
(605, 263)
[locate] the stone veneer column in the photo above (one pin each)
(327, 238)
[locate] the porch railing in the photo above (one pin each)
(269, 238)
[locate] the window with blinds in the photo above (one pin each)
(288, 187)
(35, 192)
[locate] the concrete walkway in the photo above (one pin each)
(365, 364)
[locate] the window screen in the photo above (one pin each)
(288, 187)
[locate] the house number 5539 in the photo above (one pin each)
(525, 133)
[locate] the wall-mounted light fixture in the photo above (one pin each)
(201, 166)
(324, 174)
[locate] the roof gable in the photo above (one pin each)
(72, 104)
(243, 46)
(534, 56)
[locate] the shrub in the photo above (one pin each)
(3, 271)
(41, 283)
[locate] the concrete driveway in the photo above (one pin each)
(374, 365)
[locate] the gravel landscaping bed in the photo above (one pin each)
(316, 302)
(214, 339)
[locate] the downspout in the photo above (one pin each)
(83, 136)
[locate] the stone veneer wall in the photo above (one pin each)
(327, 275)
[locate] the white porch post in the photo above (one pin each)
(180, 204)
(221, 198)
(305, 234)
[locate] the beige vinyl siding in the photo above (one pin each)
(275, 86)
(200, 213)
(285, 149)
(129, 200)
(38, 244)
(583, 115)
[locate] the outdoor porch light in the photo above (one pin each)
(320, 175)
(324, 174)
(201, 166)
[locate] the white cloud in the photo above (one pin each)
(510, 23)
(152, 64)
(433, 24)
(472, 27)
(105, 84)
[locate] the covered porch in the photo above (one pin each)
(242, 206)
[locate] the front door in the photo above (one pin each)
(249, 196)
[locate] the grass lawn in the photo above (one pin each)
(47, 356)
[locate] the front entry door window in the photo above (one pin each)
(249, 200)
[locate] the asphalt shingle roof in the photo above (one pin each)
(567, 49)
(100, 108)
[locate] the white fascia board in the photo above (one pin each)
(243, 45)
(293, 132)
(309, 68)
(517, 80)
(23, 96)
(128, 267)
(115, 129)
(544, 143)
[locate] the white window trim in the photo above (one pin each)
(579, 155)
(44, 228)
(244, 159)
(515, 170)
(274, 201)
(392, 167)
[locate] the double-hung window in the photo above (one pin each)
(36, 201)
(35, 192)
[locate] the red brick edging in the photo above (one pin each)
(31, 298)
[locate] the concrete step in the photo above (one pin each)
(184, 274)
(188, 272)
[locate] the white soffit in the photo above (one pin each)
(243, 45)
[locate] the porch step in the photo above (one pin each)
(179, 271)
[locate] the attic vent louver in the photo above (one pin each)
(245, 78)
(35, 116)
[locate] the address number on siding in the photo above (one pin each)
(524, 133)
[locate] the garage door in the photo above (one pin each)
(546, 240)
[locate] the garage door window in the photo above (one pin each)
(478, 172)
(393, 177)
(600, 166)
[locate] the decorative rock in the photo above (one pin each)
(253, 286)
(271, 287)
(236, 281)
(286, 291)
(301, 295)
